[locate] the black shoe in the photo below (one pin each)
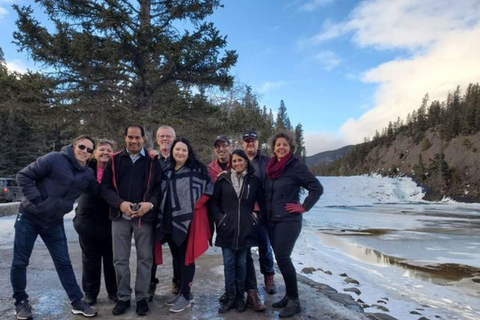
(23, 310)
(240, 301)
(281, 304)
(224, 297)
(90, 300)
(292, 308)
(121, 307)
(142, 307)
(83, 308)
(228, 302)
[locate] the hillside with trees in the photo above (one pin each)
(438, 145)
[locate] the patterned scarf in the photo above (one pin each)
(237, 180)
(180, 191)
(275, 168)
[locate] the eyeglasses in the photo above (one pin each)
(164, 136)
(218, 146)
(82, 147)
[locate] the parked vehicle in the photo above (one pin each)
(9, 190)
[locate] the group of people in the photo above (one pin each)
(166, 196)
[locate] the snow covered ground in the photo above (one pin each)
(410, 256)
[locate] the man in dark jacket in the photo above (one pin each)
(131, 186)
(165, 137)
(50, 187)
(259, 161)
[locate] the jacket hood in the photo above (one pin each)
(67, 152)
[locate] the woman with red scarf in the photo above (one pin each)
(286, 175)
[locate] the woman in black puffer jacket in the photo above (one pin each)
(231, 207)
(94, 229)
(286, 175)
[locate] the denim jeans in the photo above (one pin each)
(235, 269)
(54, 237)
(265, 257)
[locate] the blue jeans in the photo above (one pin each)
(235, 269)
(54, 237)
(265, 257)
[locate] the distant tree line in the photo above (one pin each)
(458, 115)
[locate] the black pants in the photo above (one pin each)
(175, 278)
(283, 236)
(186, 273)
(94, 251)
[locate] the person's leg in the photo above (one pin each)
(177, 267)
(122, 243)
(56, 242)
(251, 278)
(91, 265)
(229, 269)
(285, 234)
(108, 268)
(187, 272)
(265, 252)
(241, 267)
(25, 235)
(143, 243)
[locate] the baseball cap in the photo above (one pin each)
(250, 135)
(221, 138)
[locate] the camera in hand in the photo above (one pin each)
(135, 206)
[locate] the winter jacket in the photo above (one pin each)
(91, 214)
(286, 189)
(50, 186)
(236, 226)
(136, 182)
(260, 162)
(214, 169)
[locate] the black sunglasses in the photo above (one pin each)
(82, 147)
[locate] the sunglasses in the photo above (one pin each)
(82, 147)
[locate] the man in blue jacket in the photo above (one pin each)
(131, 186)
(50, 187)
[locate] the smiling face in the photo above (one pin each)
(165, 139)
(81, 151)
(102, 153)
(134, 140)
(180, 154)
(222, 151)
(239, 164)
(250, 146)
(281, 148)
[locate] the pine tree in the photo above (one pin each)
(283, 121)
(300, 153)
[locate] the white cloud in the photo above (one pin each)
(328, 59)
(453, 60)
(316, 142)
(16, 65)
(312, 5)
(269, 85)
(3, 12)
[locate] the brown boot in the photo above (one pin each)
(254, 302)
(270, 286)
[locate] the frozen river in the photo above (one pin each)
(412, 257)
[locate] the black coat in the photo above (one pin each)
(91, 214)
(236, 226)
(286, 189)
(51, 185)
(136, 182)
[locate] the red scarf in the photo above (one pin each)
(275, 168)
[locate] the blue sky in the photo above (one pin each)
(343, 68)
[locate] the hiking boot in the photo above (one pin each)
(228, 303)
(142, 307)
(292, 308)
(23, 310)
(175, 288)
(121, 307)
(90, 300)
(224, 297)
(282, 303)
(83, 308)
(254, 302)
(180, 305)
(270, 286)
(152, 289)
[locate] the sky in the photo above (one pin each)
(343, 68)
